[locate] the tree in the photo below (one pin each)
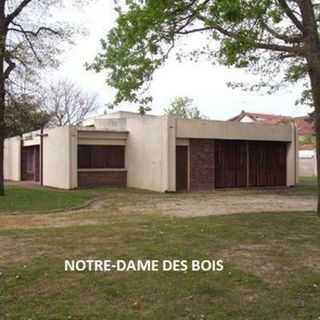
(67, 103)
(182, 108)
(30, 38)
(270, 37)
(24, 114)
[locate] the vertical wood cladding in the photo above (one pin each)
(30, 163)
(201, 164)
(230, 163)
(181, 168)
(235, 163)
(267, 163)
(101, 157)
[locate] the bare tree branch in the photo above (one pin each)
(288, 39)
(67, 103)
(290, 14)
(10, 17)
(11, 66)
(33, 33)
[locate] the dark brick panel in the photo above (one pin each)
(116, 179)
(201, 164)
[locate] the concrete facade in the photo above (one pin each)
(12, 156)
(150, 150)
(308, 163)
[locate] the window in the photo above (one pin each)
(101, 157)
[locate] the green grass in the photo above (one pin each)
(272, 260)
(27, 199)
(22, 199)
(272, 269)
(307, 185)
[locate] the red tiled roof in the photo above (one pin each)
(304, 124)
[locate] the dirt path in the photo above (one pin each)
(181, 205)
(230, 204)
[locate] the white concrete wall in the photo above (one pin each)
(149, 151)
(293, 158)
(110, 124)
(60, 158)
(93, 137)
(12, 159)
(73, 149)
(307, 163)
(31, 138)
(307, 167)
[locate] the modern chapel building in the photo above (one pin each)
(159, 153)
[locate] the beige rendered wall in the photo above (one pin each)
(307, 167)
(103, 137)
(110, 124)
(31, 138)
(150, 149)
(12, 159)
(208, 129)
(293, 158)
(60, 158)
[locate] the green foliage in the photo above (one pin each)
(23, 114)
(258, 35)
(182, 107)
(308, 139)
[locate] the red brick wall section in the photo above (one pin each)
(117, 179)
(201, 164)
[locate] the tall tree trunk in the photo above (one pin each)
(3, 35)
(1, 165)
(2, 133)
(2, 108)
(314, 74)
(312, 47)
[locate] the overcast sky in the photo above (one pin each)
(202, 81)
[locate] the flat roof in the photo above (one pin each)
(102, 130)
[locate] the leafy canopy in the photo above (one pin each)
(259, 35)
(24, 114)
(182, 107)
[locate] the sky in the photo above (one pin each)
(201, 81)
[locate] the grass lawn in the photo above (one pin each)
(307, 186)
(27, 199)
(271, 260)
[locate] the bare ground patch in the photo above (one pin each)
(221, 203)
(180, 205)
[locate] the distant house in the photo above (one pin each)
(306, 133)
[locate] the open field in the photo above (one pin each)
(271, 260)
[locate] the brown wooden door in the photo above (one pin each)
(267, 163)
(181, 168)
(30, 163)
(230, 163)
